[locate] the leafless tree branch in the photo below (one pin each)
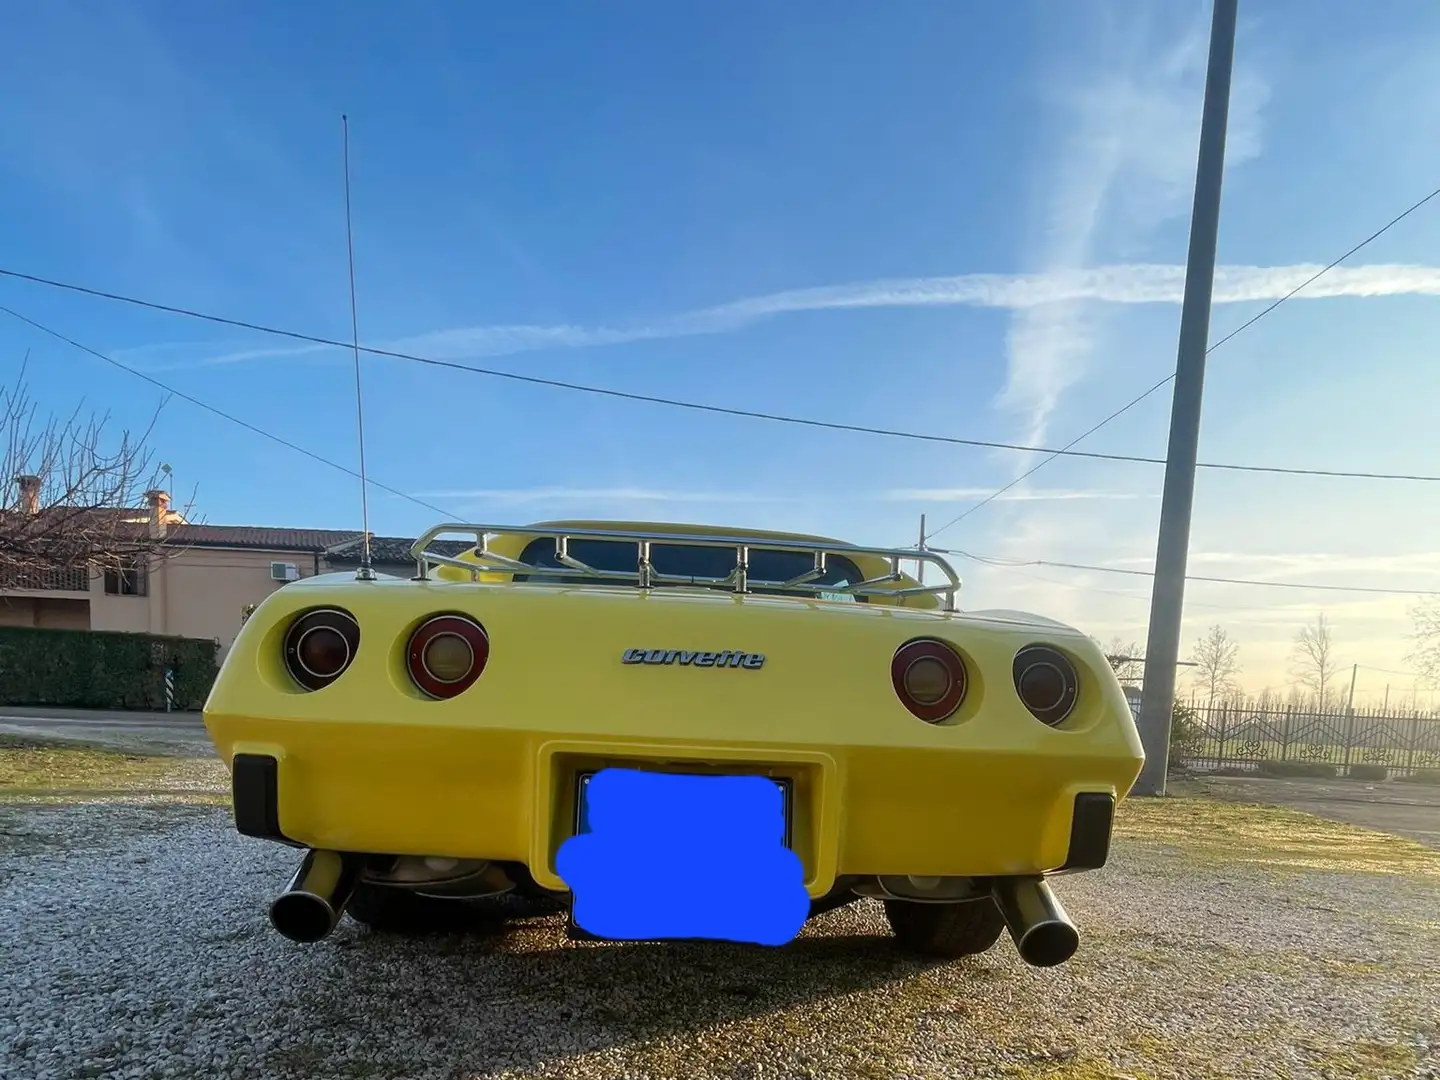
(76, 495)
(1217, 663)
(1425, 657)
(1314, 662)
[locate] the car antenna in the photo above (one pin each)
(366, 571)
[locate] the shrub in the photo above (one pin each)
(1369, 772)
(1185, 736)
(1423, 776)
(98, 669)
(1310, 770)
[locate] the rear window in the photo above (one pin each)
(702, 565)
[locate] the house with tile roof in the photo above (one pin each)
(207, 578)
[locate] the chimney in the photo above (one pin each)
(29, 494)
(159, 510)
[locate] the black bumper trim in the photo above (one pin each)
(255, 793)
(1090, 829)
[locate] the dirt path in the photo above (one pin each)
(1409, 810)
(171, 734)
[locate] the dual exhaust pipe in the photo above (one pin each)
(312, 904)
(1043, 934)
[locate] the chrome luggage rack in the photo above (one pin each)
(645, 575)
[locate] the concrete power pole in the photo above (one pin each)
(920, 563)
(1167, 602)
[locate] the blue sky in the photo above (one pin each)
(859, 213)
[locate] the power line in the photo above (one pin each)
(1170, 378)
(678, 403)
(1009, 564)
(999, 563)
(219, 412)
(1138, 598)
(1390, 671)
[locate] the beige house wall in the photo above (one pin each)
(198, 593)
(202, 591)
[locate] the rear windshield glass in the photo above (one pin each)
(702, 565)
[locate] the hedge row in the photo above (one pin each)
(96, 669)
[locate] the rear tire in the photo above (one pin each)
(946, 931)
(391, 909)
(388, 909)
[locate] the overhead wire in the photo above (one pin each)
(219, 412)
(678, 403)
(1067, 449)
(290, 445)
(1003, 563)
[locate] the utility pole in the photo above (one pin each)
(1167, 602)
(920, 563)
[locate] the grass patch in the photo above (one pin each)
(1222, 832)
(1364, 1059)
(31, 766)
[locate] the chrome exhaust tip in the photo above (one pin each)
(311, 905)
(1043, 934)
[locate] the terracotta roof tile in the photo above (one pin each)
(256, 536)
(391, 549)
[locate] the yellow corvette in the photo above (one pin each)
(429, 742)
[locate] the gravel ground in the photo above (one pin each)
(134, 943)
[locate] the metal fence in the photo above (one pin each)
(1240, 735)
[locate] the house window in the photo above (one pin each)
(128, 580)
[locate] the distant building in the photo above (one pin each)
(201, 588)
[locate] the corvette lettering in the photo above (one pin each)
(730, 658)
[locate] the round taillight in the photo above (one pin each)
(1046, 682)
(320, 645)
(447, 654)
(929, 679)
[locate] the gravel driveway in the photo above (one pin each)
(134, 943)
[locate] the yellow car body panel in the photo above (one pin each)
(371, 764)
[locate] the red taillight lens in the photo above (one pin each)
(929, 679)
(446, 655)
(320, 645)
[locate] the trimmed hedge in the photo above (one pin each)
(1311, 770)
(98, 669)
(1369, 771)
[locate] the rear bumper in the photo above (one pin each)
(509, 796)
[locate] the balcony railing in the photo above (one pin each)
(55, 579)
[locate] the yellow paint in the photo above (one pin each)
(370, 764)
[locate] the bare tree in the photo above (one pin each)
(1313, 660)
(78, 499)
(1126, 659)
(1425, 658)
(1217, 662)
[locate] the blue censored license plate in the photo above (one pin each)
(582, 819)
(685, 836)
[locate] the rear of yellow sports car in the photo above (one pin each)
(448, 725)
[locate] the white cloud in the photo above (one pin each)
(1137, 283)
(1125, 163)
(519, 496)
(514, 496)
(976, 494)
